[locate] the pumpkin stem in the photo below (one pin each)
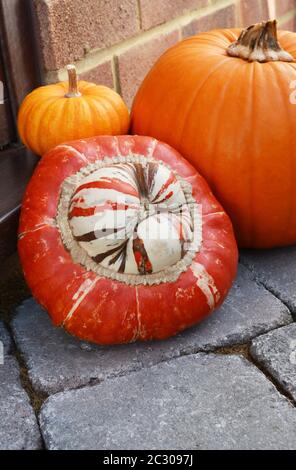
(259, 43)
(73, 82)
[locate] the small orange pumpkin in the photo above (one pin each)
(53, 114)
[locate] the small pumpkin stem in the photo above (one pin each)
(73, 82)
(259, 43)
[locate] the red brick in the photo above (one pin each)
(69, 29)
(284, 6)
(155, 12)
(225, 18)
(134, 63)
(101, 74)
(254, 11)
(289, 25)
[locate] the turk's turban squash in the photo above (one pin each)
(64, 111)
(226, 100)
(121, 239)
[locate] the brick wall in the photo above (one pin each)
(115, 42)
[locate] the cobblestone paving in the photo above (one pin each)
(276, 270)
(192, 391)
(18, 429)
(276, 351)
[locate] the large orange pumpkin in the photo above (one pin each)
(225, 100)
(64, 111)
(121, 239)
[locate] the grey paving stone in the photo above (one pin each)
(276, 269)
(56, 361)
(202, 401)
(18, 424)
(5, 341)
(276, 351)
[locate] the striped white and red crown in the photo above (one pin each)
(131, 217)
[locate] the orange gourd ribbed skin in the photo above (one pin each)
(48, 118)
(235, 122)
